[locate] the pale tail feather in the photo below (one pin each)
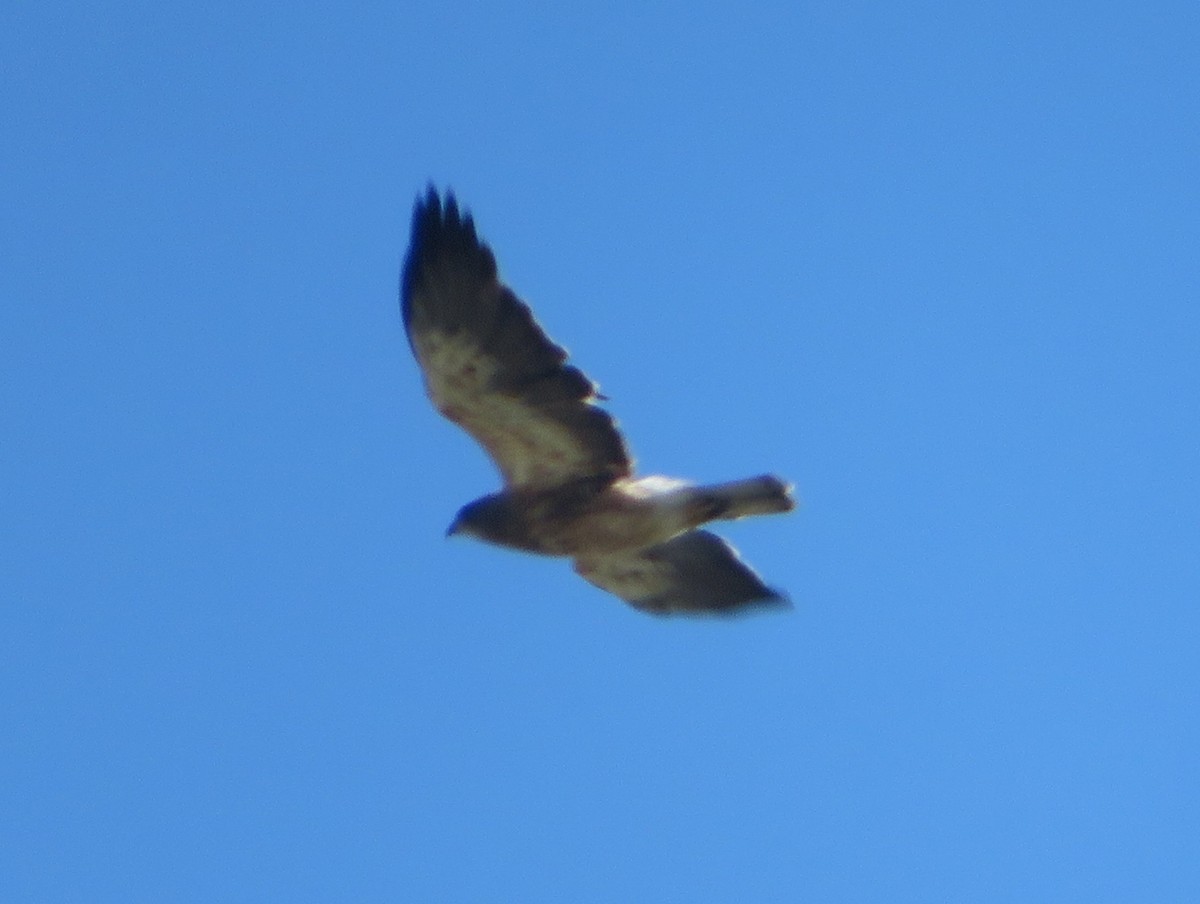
(766, 495)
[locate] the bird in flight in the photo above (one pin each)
(569, 487)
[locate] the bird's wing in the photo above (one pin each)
(696, 573)
(490, 368)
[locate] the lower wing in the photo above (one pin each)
(696, 573)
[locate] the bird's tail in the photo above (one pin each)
(766, 495)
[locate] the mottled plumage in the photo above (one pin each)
(569, 488)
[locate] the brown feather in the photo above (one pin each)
(569, 491)
(696, 573)
(490, 367)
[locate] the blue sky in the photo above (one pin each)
(935, 263)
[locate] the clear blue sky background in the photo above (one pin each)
(935, 262)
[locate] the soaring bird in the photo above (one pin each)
(569, 487)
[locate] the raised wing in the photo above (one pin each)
(696, 573)
(490, 368)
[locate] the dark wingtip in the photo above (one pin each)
(435, 212)
(427, 210)
(439, 227)
(426, 220)
(450, 210)
(773, 600)
(431, 216)
(767, 600)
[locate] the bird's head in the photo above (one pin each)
(482, 518)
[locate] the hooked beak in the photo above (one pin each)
(454, 528)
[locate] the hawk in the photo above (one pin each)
(569, 486)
